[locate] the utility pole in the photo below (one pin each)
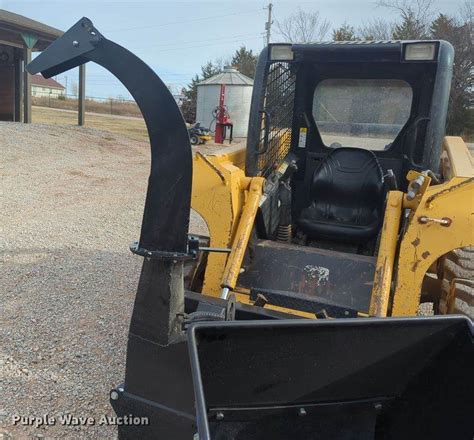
(268, 24)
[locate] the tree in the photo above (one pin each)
(344, 33)
(458, 32)
(188, 106)
(210, 69)
(303, 27)
(411, 28)
(376, 29)
(415, 18)
(245, 61)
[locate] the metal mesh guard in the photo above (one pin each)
(277, 117)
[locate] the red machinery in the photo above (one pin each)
(222, 119)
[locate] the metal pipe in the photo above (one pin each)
(239, 245)
(81, 114)
(225, 292)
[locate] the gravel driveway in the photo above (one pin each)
(72, 200)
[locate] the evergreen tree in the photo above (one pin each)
(188, 106)
(245, 61)
(344, 33)
(460, 113)
(410, 28)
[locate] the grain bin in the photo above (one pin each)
(238, 94)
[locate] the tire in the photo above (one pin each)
(194, 140)
(458, 264)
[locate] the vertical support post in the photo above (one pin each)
(18, 62)
(26, 85)
(81, 117)
(268, 24)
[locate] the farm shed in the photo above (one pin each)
(19, 37)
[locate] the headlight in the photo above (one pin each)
(281, 52)
(420, 51)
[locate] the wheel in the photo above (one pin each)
(457, 265)
(194, 139)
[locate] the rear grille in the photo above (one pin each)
(277, 118)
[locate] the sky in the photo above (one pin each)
(176, 37)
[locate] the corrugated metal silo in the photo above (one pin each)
(238, 94)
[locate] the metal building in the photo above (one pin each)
(238, 94)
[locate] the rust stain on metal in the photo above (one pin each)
(415, 265)
(415, 242)
(376, 293)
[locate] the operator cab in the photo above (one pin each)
(346, 121)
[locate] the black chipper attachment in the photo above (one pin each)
(158, 382)
(272, 376)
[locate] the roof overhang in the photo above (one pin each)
(14, 26)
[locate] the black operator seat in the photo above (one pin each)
(347, 195)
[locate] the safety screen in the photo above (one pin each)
(277, 117)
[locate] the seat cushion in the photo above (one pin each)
(346, 197)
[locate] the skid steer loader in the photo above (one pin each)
(296, 317)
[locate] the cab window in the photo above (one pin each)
(364, 113)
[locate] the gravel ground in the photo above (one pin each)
(72, 200)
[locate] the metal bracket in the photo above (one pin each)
(160, 255)
(212, 312)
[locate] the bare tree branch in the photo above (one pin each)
(376, 29)
(416, 17)
(303, 27)
(422, 10)
(466, 13)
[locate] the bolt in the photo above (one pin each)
(220, 415)
(75, 43)
(302, 412)
(114, 395)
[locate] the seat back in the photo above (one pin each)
(346, 196)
